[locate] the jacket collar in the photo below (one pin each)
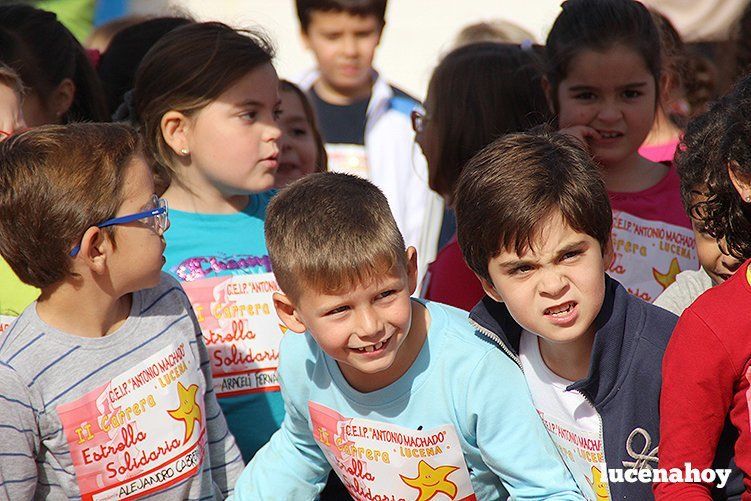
(613, 345)
(379, 99)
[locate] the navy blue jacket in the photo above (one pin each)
(624, 377)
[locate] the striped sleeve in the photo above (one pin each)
(19, 437)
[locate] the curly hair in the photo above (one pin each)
(713, 142)
(735, 153)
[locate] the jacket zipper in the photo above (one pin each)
(497, 340)
(602, 441)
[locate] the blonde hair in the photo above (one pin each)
(330, 232)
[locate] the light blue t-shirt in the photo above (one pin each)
(222, 263)
(460, 421)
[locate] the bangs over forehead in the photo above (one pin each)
(511, 189)
(331, 232)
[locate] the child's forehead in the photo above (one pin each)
(352, 286)
(552, 233)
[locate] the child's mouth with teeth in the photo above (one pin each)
(560, 310)
(372, 347)
(610, 135)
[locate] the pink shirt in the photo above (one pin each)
(661, 202)
(660, 152)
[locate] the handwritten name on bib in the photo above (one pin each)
(142, 432)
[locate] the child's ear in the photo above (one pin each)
(489, 289)
(175, 127)
(288, 313)
(94, 249)
(412, 269)
(741, 181)
(547, 88)
(62, 96)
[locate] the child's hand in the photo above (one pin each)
(581, 133)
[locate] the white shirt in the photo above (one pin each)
(572, 422)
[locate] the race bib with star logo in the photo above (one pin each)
(142, 432)
(378, 460)
(649, 254)
(241, 330)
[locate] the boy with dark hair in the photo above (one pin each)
(364, 120)
(395, 394)
(105, 385)
(534, 224)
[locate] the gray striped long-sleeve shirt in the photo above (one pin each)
(130, 414)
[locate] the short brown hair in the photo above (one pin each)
(187, 69)
(509, 189)
(330, 231)
(55, 183)
(363, 8)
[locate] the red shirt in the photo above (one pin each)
(450, 281)
(705, 374)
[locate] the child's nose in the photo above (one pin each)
(370, 323)
(349, 46)
(552, 283)
(273, 133)
(610, 112)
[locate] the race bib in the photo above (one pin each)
(5, 321)
(348, 158)
(140, 433)
(241, 330)
(583, 454)
(649, 254)
(384, 461)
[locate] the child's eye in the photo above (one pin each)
(520, 270)
(584, 96)
(299, 132)
(277, 114)
(250, 116)
(385, 294)
(340, 309)
(632, 94)
(571, 255)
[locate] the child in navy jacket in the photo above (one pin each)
(534, 225)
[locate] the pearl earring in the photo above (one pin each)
(748, 198)
(184, 151)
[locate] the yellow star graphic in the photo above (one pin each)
(284, 328)
(189, 411)
(665, 279)
(599, 487)
(430, 481)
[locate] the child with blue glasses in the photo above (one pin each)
(105, 385)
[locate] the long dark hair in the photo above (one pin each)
(481, 91)
(44, 53)
(187, 69)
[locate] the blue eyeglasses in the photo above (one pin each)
(157, 218)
